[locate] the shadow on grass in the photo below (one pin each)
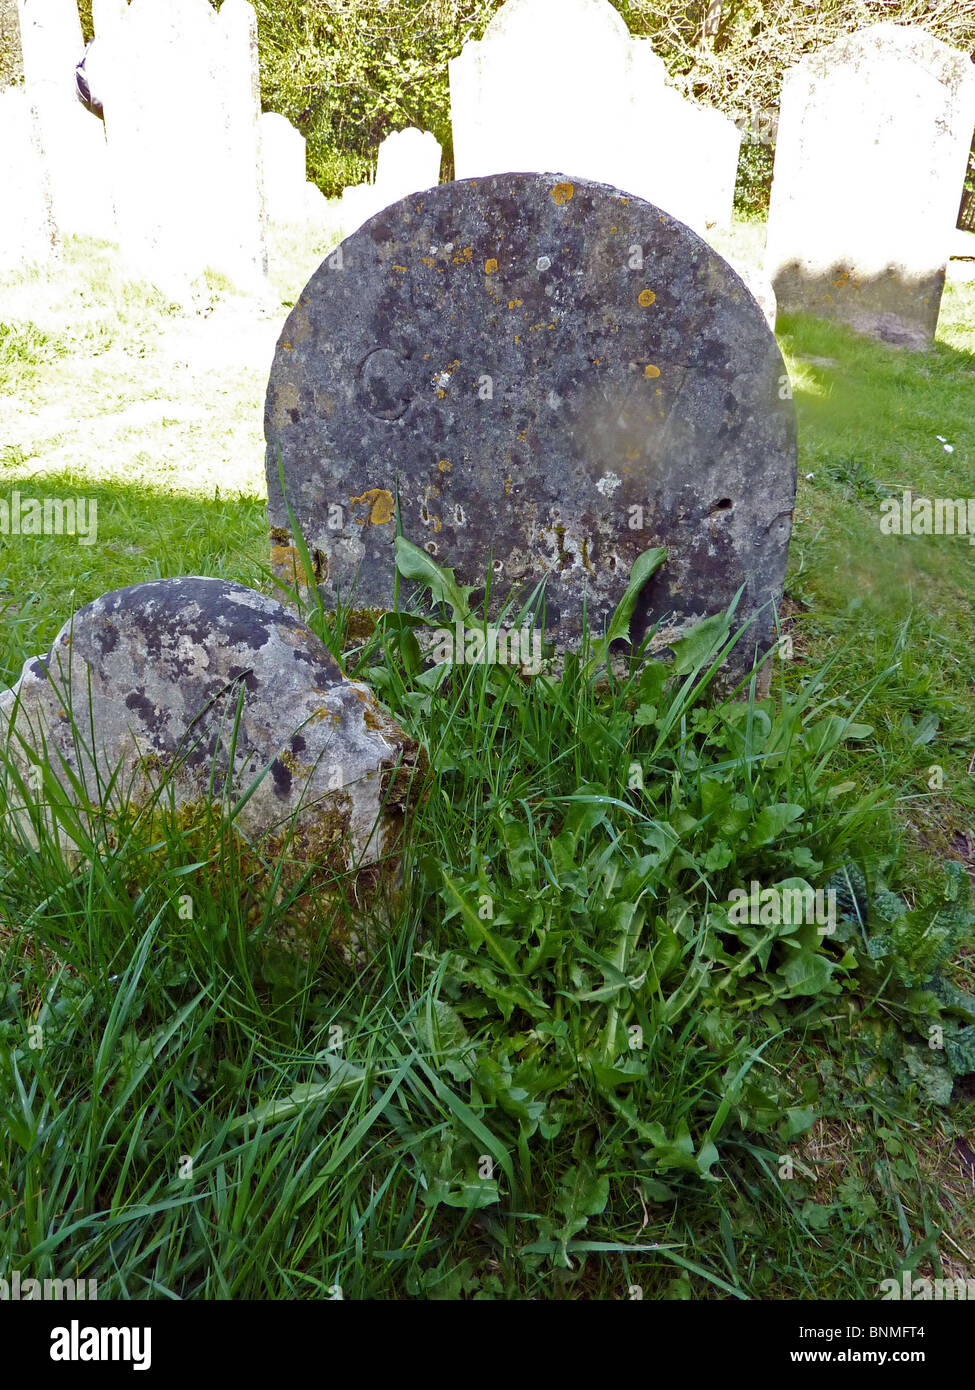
(140, 534)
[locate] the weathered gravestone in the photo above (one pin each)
(288, 196)
(151, 676)
(27, 229)
(71, 141)
(555, 377)
(283, 160)
(873, 140)
(408, 161)
(182, 105)
(591, 101)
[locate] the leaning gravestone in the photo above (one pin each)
(146, 681)
(182, 106)
(552, 376)
(873, 141)
(71, 141)
(27, 229)
(600, 106)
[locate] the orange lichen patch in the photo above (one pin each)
(490, 266)
(562, 192)
(440, 394)
(507, 485)
(515, 303)
(463, 256)
(285, 399)
(646, 298)
(400, 267)
(612, 230)
(445, 465)
(380, 503)
(287, 564)
(650, 370)
(287, 347)
(427, 261)
(517, 337)
(300, 325)
(323, 712)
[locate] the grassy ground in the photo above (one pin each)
(481, 1124)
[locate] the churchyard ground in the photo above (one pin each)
(323, 1112)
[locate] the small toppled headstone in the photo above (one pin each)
(873, 140)
(146, 681)
(552, 377)
(598, 105)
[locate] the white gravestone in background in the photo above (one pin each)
(289, 196)
(182, 105)
(283, 159)
(72, 141)
(873, 140)
(27, 230)
(408, 162)
(598, 107)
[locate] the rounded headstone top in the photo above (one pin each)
(550, 376)
(537, 20)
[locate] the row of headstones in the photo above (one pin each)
(872, 146)
(185, 172)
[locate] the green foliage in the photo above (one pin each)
(901, 952)
(349, 72)
(754, 183)
(11, 67)
(588, 955)
(566, 1030)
